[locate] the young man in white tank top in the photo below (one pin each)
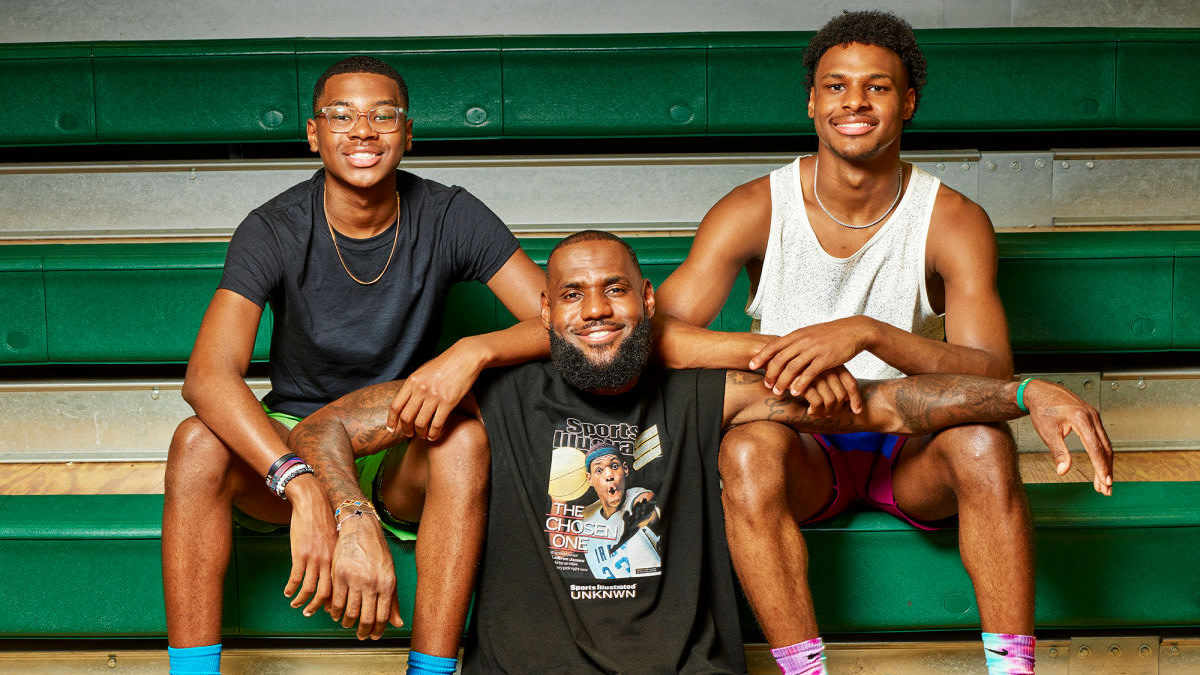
(866, 267)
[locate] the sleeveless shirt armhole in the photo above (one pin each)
(926, 305)
(774, 240)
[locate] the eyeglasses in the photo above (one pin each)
(382, 119)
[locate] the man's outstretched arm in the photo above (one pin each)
(926, 403)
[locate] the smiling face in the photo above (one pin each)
(361, 157)
(597, 308)
(860, 100)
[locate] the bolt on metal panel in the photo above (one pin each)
(1115, 655)
(1016, 189)
(960, 173)
(531, 194)
(1179, 657)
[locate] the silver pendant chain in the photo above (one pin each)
(899, 189)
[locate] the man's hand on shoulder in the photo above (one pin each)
(364, 579)
(433, 391)
(1055, 413)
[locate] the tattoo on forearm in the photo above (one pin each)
(912, 405)
(930, 402)
(794, 413)
(326, 447)
(739, 378)
(783, 409)
(330, 439)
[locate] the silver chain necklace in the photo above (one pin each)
(899, 187)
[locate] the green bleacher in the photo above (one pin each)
(1127, 562)
(720, 84)
(142, 303)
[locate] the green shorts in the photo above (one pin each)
(370, 480)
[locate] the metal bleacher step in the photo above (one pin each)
(133, 420)
(146, 477)
(1092, 655)
(173, 200)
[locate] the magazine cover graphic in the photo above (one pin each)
(602, 520)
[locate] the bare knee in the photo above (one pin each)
(197, 461)
(980, 457)
(753, 466)
(462, 457)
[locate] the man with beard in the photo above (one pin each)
(683, 618)
(868, 268)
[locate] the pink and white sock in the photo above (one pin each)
(802, 658)
(1008, 654)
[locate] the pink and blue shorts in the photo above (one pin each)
(862, 466)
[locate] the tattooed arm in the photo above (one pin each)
(926, 403)
(363, 576)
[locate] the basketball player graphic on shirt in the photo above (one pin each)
(624, 521)
(617, 535)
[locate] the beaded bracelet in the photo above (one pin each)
(283, 471)
(294, 471)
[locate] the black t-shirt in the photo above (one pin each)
(562, 588)
(332, 335)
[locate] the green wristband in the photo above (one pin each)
(1021, 394)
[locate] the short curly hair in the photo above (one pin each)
(360, 64)
(869, 28)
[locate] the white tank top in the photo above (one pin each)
(801, 284)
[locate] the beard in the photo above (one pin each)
(582, 373)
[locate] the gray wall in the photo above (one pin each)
(80, 20)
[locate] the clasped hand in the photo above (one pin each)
(810, 363)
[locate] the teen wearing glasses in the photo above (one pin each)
(355, 263)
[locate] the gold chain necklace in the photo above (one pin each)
(333, 234)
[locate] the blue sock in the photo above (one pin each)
(195, 660)
(424, 664)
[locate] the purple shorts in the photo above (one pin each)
(862, 473)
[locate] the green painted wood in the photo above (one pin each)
(1011, 85)
(47, 100)
(592, 86)
(586, 86)
(123, 303)
(1111, 304)
(23, 317)
(142, 303)
(756, 84)
(1126, 561)
(1150, 63)
(453, 83)
(1186, 304)
(85, 566)
(199, 93)
(471, 309)
(263, 565)
(1122, 561)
